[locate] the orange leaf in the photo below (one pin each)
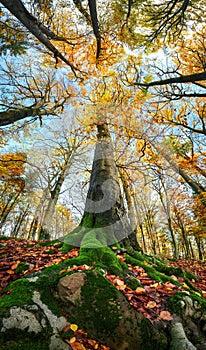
(10, 272)
(140, 290)
(165, 315)
(151, 304)
(72, 340)
(119, 282)
(77, 346)
(14, 266)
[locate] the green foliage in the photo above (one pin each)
(50, 251)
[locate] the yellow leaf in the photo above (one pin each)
(151, 304)
(73, 327)
(72, 340)
(140, 290)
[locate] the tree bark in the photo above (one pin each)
(104, 214)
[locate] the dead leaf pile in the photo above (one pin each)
(198, 268)
(21, 257)
(150, 299)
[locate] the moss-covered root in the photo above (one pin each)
(102, 258)
(179, 340)
(105, 314)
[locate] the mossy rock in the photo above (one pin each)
(105, 314)
(133, 282)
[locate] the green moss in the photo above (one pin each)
(105, 256)
(99, 308)
(65, 248)
(4, 238)
(169, 270)
(174, 301)
(58, 244)
(48, 299)
(75, 237)
(133, 282)
(21, 341)
(88, 220)
(50, 251)
(43, 244)
(191, 276)
(21, 267)
(30, 245)
(21, 292)
(152, 339)
(192, 287)
(151, 271)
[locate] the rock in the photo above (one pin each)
(21, 319)
(58, 343)
(36, 321)
(189, 309)
(56, 323)
(69, 287)
(179, 340)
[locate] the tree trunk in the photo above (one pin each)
(7, 209)
(54, 196)
(105, 217)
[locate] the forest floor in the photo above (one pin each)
(20, 257)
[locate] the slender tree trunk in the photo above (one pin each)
(54, 196)
(143, 238)
(197, 239)
(191, 249)
(19, 222)
(7, 209)
(131, 208)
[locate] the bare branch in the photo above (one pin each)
(43, 34)
(95, 24)
(192, 78)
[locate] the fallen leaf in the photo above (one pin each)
(119, 282)
(165, 316)
(155, 285)
(77, 346)
(14, 266)
(151, 304)
(140, 290)
(174, 277)
(73, 327)
(72, 340)
(66, 328)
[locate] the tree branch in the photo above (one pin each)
(82, 10)
(95, 24)
(43, 34)
(192, 78)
